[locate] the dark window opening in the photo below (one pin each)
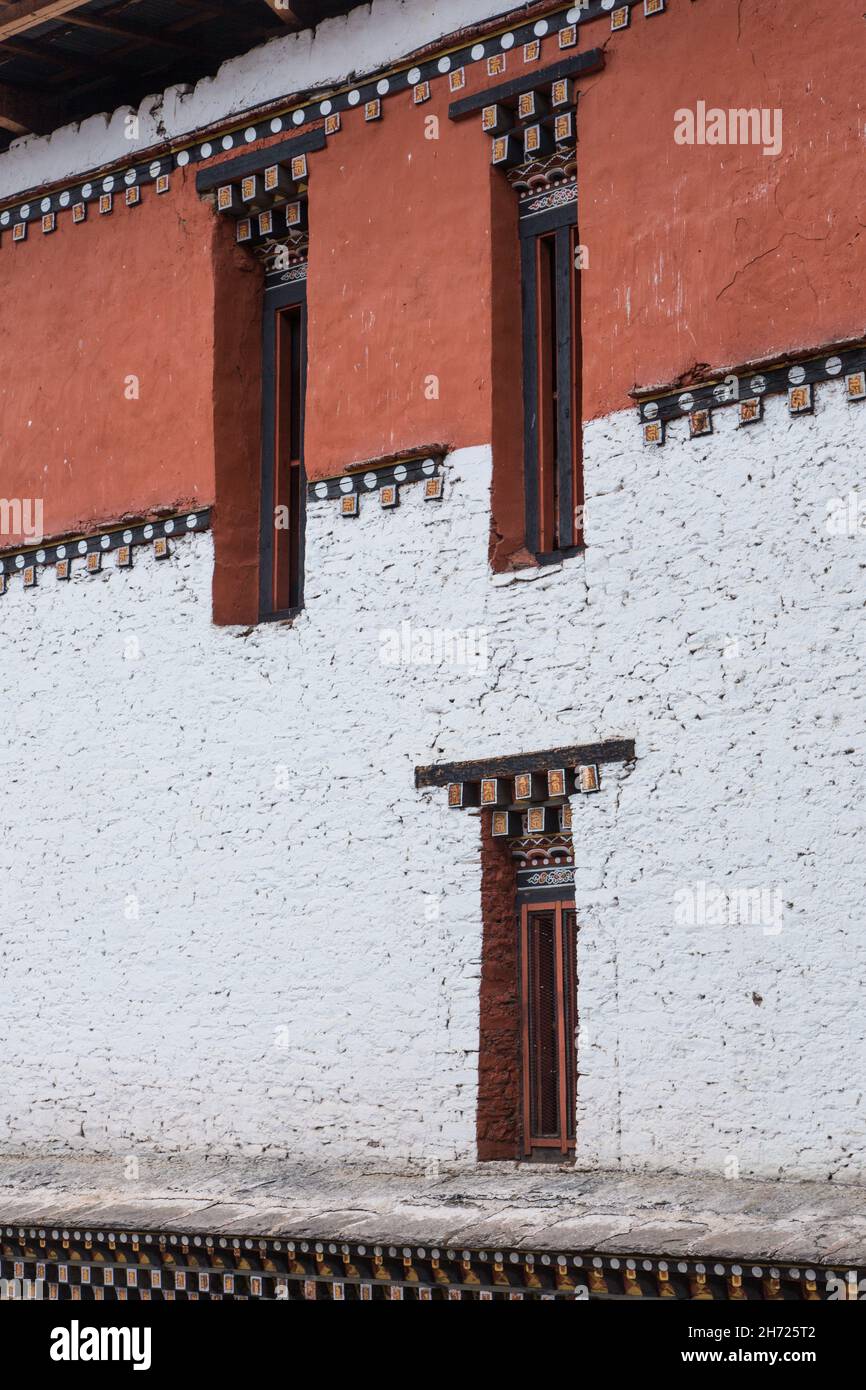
(281, 584)
(551, 368)
(548, 1021)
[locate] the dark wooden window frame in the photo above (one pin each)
(553, 481)
(279, 302)
(564, 924)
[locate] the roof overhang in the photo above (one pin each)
(64, 60)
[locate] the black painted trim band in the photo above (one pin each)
(618, 750)
(104, 542)
(372, 479)
(206, 180)
(580, 65)
(742, 384)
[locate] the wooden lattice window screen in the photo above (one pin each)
(548, 980)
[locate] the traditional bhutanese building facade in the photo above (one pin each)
(432, 622)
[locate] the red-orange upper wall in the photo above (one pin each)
(718, 254)
(399, 286)
(82, 310)
(714, 255)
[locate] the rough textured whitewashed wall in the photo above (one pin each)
(231, 922)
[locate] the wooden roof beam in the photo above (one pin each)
(29, 14)
(287, 11)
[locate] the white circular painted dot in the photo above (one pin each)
(541, 28)
(228, 142)
(833, 366)
(25, 211)
(444, 65)
(4, 219)
(345, 484)
(19, 562)
(63, 200)
(277, 124)
(722, 392)
(129, 177)
(354, 97)
(650, 410)
(369, 480)
(155, 169)
(413, 76)
(169, 527)
(127, 536)
(383, 86)
(477, 51)
(507, 41)
(45, 205)
(61, 552)
(40, 557)
(250, 134)
(105, 542)
(2, 567)
(299, 117)
(756, 1272)
(686, 401)
(108, 184)
(758, 384)
(321, 489)
(183, 158)
(192, 521)
(147, 532)
(87, 190)
(400, 472)
(326, 107)
(797, 375)
(574, 13)
(607, 4)
(429, 466)
(82, 547)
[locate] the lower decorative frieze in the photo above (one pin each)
(384, 480)
(41, 1262)
(746, 388)
(121, 542)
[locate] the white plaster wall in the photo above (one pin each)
(370, 37)
(302, 975)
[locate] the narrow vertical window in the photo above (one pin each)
(281, 586)
(551, 379)
(548, 1018)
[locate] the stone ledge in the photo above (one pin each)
(511, 1205)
